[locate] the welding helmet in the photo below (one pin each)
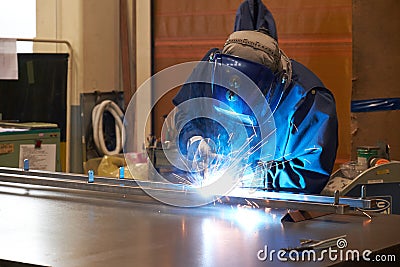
(256, 55)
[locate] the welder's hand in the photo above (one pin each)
(198, 149)
(200, 153)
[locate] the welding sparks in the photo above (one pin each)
(232, 168)
(218, 173)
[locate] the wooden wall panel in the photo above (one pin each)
(376, 60)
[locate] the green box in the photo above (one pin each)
(40, 146)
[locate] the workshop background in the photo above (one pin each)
(90, 51)
(351, 45)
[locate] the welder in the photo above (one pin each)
(303, 109)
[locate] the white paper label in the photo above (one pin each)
(43, 158)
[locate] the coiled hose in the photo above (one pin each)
(97, 124)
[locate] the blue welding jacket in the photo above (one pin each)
(307, 135)
(306, 131)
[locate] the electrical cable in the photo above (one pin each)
(97, 124)
(378, 209)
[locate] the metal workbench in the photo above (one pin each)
(56, 226)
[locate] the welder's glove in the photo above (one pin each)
(198, 149)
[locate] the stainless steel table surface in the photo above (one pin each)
(59, 227)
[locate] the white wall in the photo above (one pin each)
(92, 28)
(17, 22)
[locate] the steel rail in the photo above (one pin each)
(186, 194)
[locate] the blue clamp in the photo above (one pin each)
(26, 164)
(121, 173)
(90, 176)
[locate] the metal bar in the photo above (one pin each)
(286, 204)
(182, 192)
(353, 202)
(187, 197)
(98, 179)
